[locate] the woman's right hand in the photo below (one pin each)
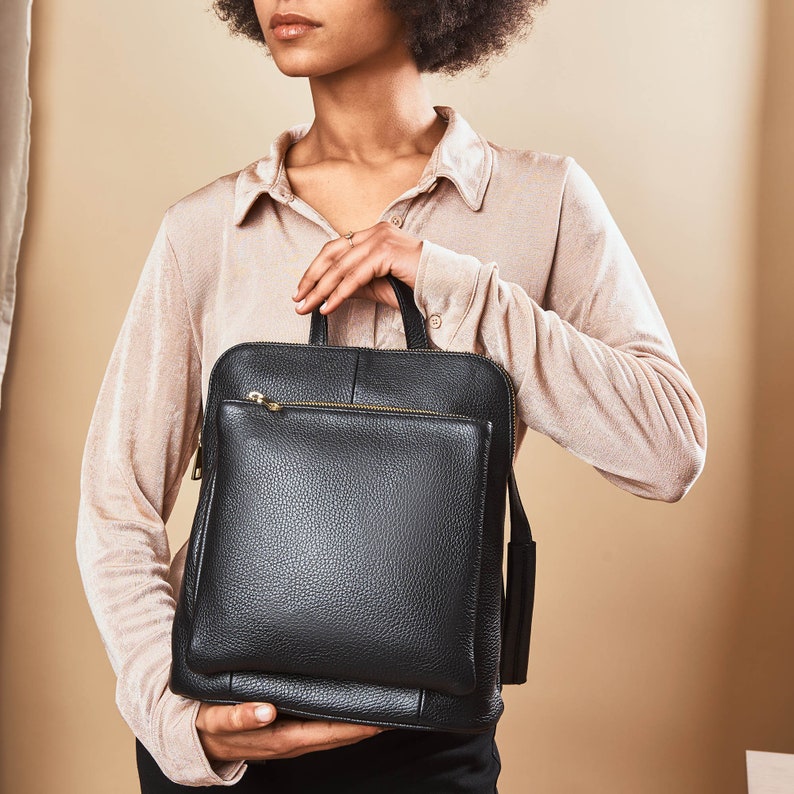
(250, 731)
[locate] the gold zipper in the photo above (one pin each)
(260, 398)
(197, 464)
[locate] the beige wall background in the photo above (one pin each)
(662, 645)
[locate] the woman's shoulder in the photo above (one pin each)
(226, 199)
(518, 160)
(561, 177)
(203, 216)
(210, 204)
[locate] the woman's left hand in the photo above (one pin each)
(339, 271)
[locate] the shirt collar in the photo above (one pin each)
(462, 155)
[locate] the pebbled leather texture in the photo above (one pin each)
(345, 561)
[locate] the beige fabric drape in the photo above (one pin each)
(14, 149)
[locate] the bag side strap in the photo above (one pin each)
(520, 591)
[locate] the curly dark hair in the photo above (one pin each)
(445, 36)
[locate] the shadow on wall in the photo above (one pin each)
(760, 702)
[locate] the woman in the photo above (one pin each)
(510, 253)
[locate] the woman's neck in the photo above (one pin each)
(369, 115)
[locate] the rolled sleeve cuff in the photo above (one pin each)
(224, 773)
(183, 753)
(444, 290)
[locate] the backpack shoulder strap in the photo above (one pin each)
(520, 596)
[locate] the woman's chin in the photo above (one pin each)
(296, 64)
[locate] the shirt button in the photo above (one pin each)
(396, 220)
(435, 320)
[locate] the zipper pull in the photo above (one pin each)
(197, 465)
(258, 397)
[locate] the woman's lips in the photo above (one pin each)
(291, 26)
(292, 30)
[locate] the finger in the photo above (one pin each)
(331, 251)
(294, 735)
(352, 281)
(345, 276)
(319, 748)
(240, 717)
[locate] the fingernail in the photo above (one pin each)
(301, 302)
(264, 713)
(295, 294)
(323, 304)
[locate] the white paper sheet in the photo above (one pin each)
(770, 773)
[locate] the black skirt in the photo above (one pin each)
(394, 762)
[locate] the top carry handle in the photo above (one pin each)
(521, 558)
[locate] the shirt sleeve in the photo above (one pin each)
(142, 433)
(594, 368)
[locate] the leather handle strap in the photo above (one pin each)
(413, 321)
(520, 597)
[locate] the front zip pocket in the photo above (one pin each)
(343, 541)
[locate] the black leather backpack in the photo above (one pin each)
(345, 559)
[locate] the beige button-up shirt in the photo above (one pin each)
(521, 261)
